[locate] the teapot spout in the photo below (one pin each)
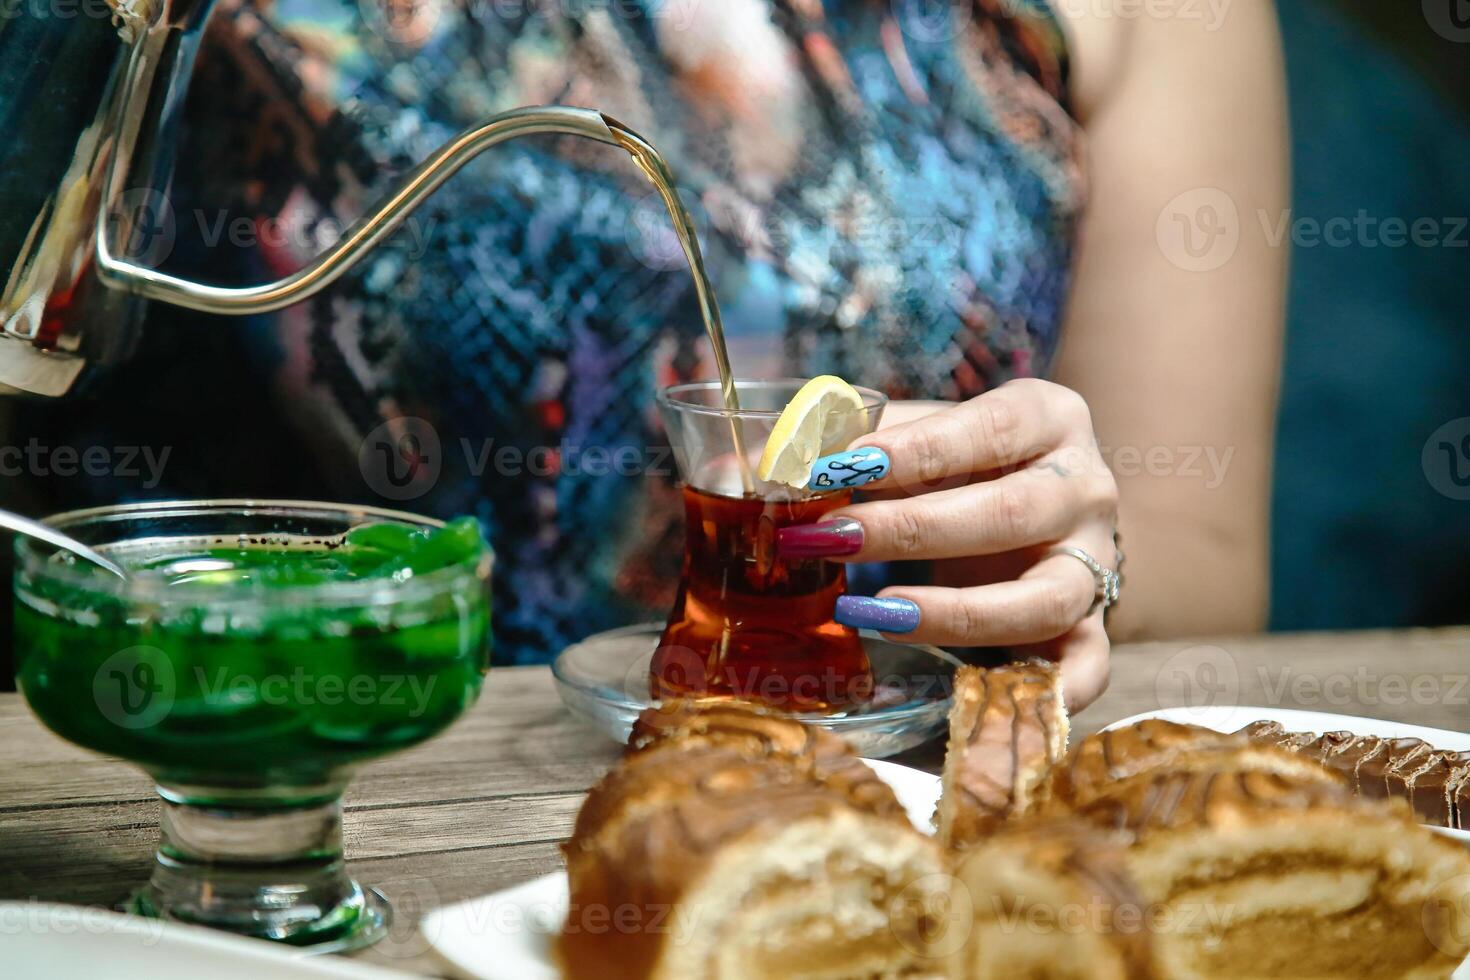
(380, 221)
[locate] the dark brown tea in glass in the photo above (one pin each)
(747, 623)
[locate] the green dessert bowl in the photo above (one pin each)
(257, 652)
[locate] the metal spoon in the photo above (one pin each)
(53, 537)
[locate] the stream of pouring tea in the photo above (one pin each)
(652, 163)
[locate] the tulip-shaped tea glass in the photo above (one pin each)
(746, 621)
(256, 654)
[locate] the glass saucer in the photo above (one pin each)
(604, 680)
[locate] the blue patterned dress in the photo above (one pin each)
(887, 191)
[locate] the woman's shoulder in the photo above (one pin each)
(1098, 34)
(1110, 40)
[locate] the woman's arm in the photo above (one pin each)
(1174, 329)
(1174, 350)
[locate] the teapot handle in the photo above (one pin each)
(380, 221)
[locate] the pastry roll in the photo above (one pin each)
(1007, 728)
(758, 732)
(1272, 875)
(1047, 899)
(1101, 761)
(714, 719)
(730, 857)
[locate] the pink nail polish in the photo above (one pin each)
(828, 539)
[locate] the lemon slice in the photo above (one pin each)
(823, 417)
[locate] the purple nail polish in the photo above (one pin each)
(828, 539)
(884, 615)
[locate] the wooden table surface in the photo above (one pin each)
(484, 806)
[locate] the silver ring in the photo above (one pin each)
(1108, 581)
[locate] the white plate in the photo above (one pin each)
(71, 942)
(507, 936)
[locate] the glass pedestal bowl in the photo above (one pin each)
(249, 699)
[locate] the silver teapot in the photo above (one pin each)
(91, 95)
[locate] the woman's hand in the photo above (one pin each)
(987, 490)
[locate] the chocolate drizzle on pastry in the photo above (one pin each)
(1007, 728)
(766, 731)
(757, 732)
(1172, 799)
(1104, 761)
(1435, 782)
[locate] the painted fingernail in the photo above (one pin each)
(870, 613)
(847, 469)
(828, 539)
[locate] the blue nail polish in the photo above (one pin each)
(847, 469)
(869, 613)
